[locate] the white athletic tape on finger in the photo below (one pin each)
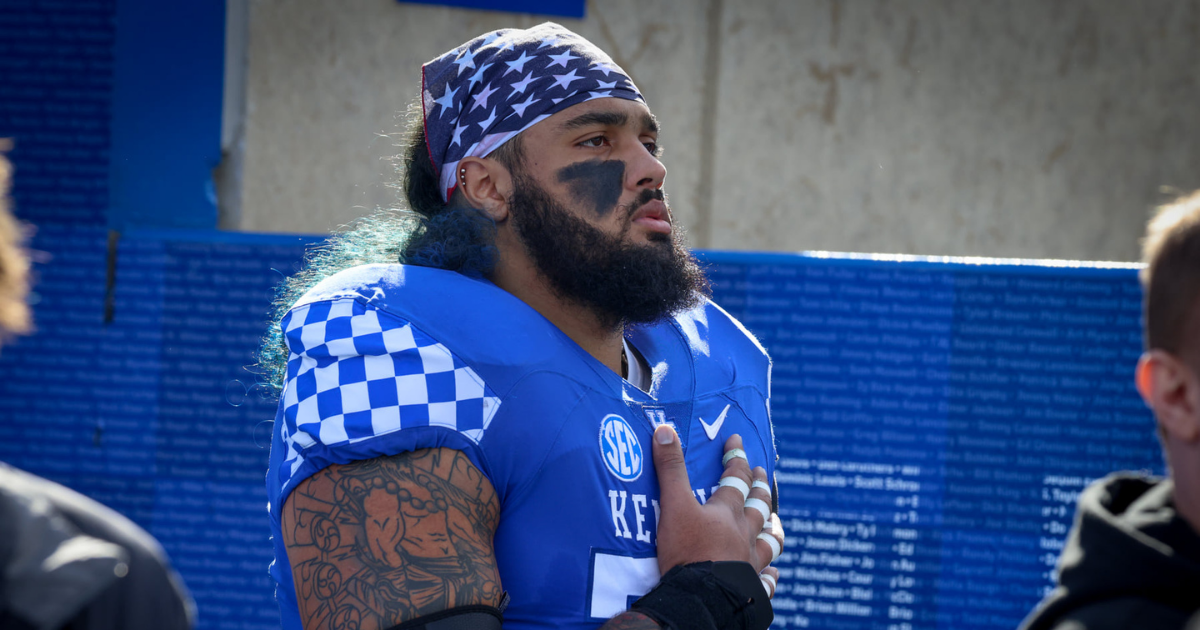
(768, 583)
(774, 543)
(759, 483)
(768, 527)
(735, 482)
(733, 453)
(762, 508)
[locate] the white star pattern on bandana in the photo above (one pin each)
(457, 135)
(520, 107)
(519, 86)
(552, 40)
(506, 90)
(482, 97)
(447, 100)
(565, 80)
(609, 68)
(464, 61)
(517, 65)
(478, 76)
(562, 59)
(487, 122)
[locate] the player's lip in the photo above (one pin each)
(654, 216)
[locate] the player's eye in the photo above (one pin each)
(595, 142)
(654, 148)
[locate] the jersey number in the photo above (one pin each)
(617, 581)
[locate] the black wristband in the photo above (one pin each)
(708, 596)
(475, 617)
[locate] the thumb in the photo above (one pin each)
(672, 472)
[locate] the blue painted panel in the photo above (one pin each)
(564, 8)
(166, 113)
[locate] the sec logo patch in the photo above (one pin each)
(619, 448)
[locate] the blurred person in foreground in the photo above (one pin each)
(66, 561)
(1132, 560)
(479, 419)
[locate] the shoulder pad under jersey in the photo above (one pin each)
(488, 328)
(722, 352)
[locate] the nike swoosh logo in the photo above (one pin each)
(711, 429)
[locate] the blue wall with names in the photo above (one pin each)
(935, 422)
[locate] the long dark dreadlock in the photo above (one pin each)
(425, 231)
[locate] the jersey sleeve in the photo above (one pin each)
(363, 383)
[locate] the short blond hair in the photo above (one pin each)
(14, 264)
(1171, 278)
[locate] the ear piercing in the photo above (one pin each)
(462, 174)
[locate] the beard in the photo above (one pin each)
(618, 281)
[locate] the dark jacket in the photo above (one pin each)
(69, 562)
(1130, 562)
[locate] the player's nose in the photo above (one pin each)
(645, 170)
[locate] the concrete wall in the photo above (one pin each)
(1016, 128)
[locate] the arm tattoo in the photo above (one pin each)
(378, 542)
(630, 620)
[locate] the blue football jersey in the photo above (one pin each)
(386, 359)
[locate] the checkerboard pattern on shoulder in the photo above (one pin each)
(355, 373)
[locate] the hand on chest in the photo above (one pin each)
(625, 456)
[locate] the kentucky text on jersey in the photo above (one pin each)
(387, 359)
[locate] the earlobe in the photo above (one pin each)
(478, 181)
(1143, 378)
(1172, 390)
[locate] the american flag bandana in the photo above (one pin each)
(483, 93)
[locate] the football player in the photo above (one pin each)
(471, 433)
